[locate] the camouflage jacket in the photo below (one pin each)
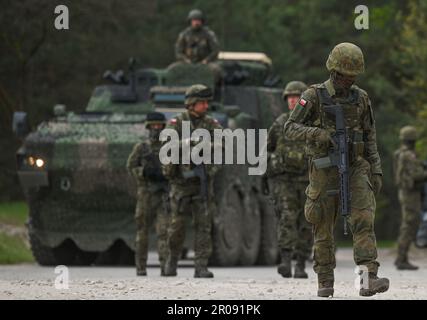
(309, 115)
(197, 45)
(174, 172)
(144, 165)
(408, 169)
(285, 156)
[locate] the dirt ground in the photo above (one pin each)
(30, 281)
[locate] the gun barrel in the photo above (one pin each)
(341, 151)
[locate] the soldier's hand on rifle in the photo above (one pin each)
(377, 183)
(323, 136)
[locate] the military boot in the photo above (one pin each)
(405, 265)
(402, 262)
(285, 268)
(326, 289)
(375, 285)
(170, 267)
(300, 269)
(141, 271)
(201, 271)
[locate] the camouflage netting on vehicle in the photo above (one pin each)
(110, 99)
(184, 74)
(86, 165)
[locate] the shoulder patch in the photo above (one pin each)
(173, 121)
(302, 102)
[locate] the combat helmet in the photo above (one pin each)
(197, 92)
(294, 88)
(155, 118)
(408, 133)
(195, 14)
(346, 58)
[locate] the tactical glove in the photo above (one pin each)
(321, 135)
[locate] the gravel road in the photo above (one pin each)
(30, 281)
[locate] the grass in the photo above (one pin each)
(13, 248)
(384, 244)
(13, 213)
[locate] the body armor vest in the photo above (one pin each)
(353, 107)
(289, 155)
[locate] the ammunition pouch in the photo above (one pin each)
(357, 146)
(292, 162)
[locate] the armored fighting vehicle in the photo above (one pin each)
(72, 167)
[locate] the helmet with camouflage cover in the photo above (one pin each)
(195, 14)
(197, 92)
(155, 118)
(294, 88)
(346, 58)
(408, 133)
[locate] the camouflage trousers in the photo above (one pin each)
(294, 232)
(184, 204)
(322, 211)
(149, 208)
(410, 202)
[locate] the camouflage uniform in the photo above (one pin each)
(185, 199)
(196, 46)
(288, 177)
(310, 122)
(409, 176)
(152, 197)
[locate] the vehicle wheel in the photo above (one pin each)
(117, 254)
(251, 230)
(66, 253)
(268, 251)
(126, 256)
(44, 255)
(85, 258)
(227, 229)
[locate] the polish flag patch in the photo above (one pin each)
(173, 121)
(302, 102)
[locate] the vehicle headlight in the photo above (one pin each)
(36, 162)
(39, 163)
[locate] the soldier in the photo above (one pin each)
(152, 195)
(309, 121)
(197, 43)
(186, 189)
(288, 174)
(409, 175)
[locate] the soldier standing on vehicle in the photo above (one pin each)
(409, 177)
(309, 121)
(186, 188)
(287, 173)
(197, 43)
(152, 194)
